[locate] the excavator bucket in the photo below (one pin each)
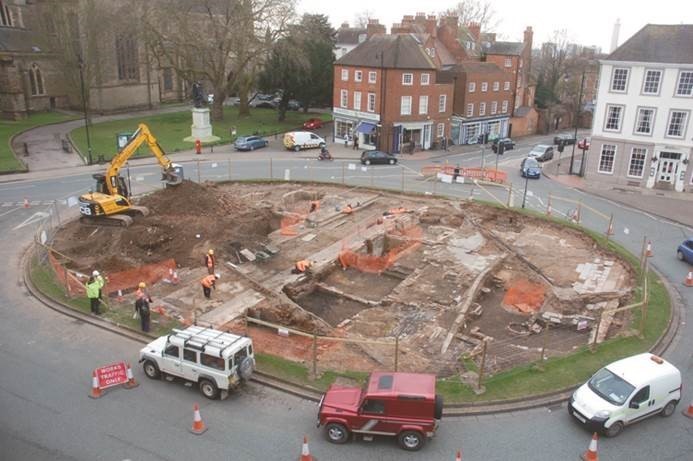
(174, 175)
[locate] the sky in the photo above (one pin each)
(587, 22)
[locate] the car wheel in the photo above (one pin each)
(410, 440)
(367, 162)
(151, 369)
(337, 433)
(392, 161)
(209, 389)
(679, 255)
(245, 369)
(297, 148)
(669, 409)
(614, 429)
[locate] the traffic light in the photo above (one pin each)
(483, 138)
(560, 146)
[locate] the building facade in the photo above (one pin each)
(642, 134)
(387, 96)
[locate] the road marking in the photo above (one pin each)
(10, 211)
(36, 217)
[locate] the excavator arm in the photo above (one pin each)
(171, 174)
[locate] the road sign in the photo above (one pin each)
(112, 375)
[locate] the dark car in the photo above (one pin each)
(312, 124)
(369, 157)
(529, 168)
(685, 251)
(250, 143)
(541, 152)
(566, 139)
(508, 144)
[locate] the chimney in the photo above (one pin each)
(614, 35)
(420, 18)
(374, 28)
(398, 29)
(529, 35)
(431, 26)
(475, 30)
(407, 20)
(451, 22)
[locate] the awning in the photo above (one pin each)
(366, 128)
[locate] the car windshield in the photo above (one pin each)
(242, 139)
(610, 387)
(531, 163)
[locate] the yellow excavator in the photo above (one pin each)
(110, 203)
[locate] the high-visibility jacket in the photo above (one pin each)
(93, 289)
(208, 282)
(302, 265)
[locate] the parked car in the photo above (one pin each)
(529, 168)
(297, 140)
(312, 124)
(541, 152)
(214, 360)
(371, 157)
(625, 392)
(294, 105)
(566, 139)
(264, 101)
(250, 143)
(402, 405)
(685, 251)
(233, 101)
(584, 144)
(508, 144)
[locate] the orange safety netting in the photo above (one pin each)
(378, 264)
(66, 278)
(473, 173)
(524, 295)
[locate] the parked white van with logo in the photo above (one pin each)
(297, 140)
(626, 392)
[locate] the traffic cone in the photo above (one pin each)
(95, 389)
(648, 251)
(131, 379)
(459, 455)
(198, 427)
(591, 453)
(26, 202)
(688, 412)
(305, 452)
(689, 279)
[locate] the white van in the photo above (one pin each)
(297, 140)
(625, 392)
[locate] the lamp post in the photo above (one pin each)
(577, 116)
(381, 134)
(524, 196)
(84, 106)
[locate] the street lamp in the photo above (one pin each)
(381, 133)
(84, 105)
(524, 196)
(577, 116)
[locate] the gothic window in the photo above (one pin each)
(5, 15)
(36, 80)
(126, 56)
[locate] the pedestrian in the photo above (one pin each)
(356, 143)
(142, 306)
(456, 173)
(210, 261)
(93, 288)
(208, 283)
(99, 278)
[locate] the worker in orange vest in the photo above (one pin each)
(348, 209)
(210, 262)
(302, 266)
(208, 283)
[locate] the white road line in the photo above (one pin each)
(10, 211)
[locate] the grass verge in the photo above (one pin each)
(171, 128)
(9, 128)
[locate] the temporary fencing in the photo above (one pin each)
(482, 174)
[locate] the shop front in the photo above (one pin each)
(352, 124)
(409, 137)
(466, 131)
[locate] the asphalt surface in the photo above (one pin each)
(46, 359)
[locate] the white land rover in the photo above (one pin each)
(217, 361)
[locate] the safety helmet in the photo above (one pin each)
(95, 273)
(142, 285)
(211, 252)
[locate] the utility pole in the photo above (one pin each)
(577, 116)
(84, 105)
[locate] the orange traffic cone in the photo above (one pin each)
(95, 389)
(689, 279)
(648, 251)
(591, 453)
(459, 455)
(131, 379)
(305, 452)
(688, 412)
(198, 426)
(26, 202)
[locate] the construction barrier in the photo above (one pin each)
(495, 176)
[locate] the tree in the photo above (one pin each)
(218, 41)
(475, 11)
(361, 18)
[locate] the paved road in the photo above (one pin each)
(46, 359)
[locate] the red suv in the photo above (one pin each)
(404, 405)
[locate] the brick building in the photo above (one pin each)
(387, 96)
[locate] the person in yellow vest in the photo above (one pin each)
(302, 266)
(93, 288)
(209, 282)
(210, 262)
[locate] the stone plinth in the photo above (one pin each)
(201, 128)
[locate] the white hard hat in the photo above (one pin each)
(95, 273)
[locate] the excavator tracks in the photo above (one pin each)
(116, 220)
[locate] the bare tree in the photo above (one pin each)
(361, 18)
(218, 41)
(475, 11)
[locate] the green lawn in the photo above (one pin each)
(8, 128)
(171, 128)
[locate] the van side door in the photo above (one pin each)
(641, 405)
(190, 365)
(171, 360)
(372, 418)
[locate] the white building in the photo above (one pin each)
(642, 132)
(347, 38)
